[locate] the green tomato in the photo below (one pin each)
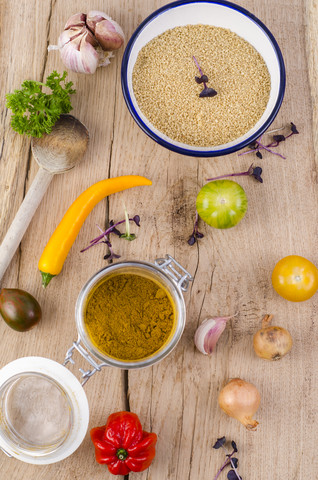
(221, 203)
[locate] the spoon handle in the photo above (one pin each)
(23, 218)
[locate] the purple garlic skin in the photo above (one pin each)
(208, 333)
(108, 33)
(88, 41)
(77, 20)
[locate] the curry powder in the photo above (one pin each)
(129, 316)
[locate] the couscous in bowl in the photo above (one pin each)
(232, 47)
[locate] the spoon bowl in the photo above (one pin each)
(65, 146)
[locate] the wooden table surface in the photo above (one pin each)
(176, 398)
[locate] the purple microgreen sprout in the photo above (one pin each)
(114, 230)
(195, 233)
(294, 130)
(279, 138)
(231, 475)
(201, 79)
(230, 460)
(104, 237)
(136, 219)
(219, 443)
(111, 255)
(206, 92)
(257, 145)
(105, 234)
(255, 172)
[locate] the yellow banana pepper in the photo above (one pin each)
(57, 248)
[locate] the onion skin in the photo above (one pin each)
(240, 399)
(271, 342)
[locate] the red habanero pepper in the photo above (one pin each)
(123, 445)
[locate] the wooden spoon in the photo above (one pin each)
(57, 152)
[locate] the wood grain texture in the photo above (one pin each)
(177, 398)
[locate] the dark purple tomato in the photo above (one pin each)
(20, 310)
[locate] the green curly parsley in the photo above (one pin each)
(35, 112)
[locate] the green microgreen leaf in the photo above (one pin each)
(127, 235)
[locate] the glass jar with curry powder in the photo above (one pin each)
(44, 411)
(132, 314)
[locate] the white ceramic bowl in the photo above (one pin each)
(218, 13)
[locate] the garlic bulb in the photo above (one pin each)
(88, 41)
(208, 333)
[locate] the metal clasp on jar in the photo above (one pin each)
(181, 277)
(86, 374)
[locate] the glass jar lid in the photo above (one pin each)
(44, 411)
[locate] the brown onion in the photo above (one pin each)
(272, 343)
(240, 399)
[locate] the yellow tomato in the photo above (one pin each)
(295, 278)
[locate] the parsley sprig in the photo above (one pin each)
(36, 112)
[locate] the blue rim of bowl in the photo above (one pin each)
(205, 153)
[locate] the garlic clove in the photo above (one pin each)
(69, 35)
(201, 333)
(108, 33)
(95, 16)
(79, 55)
(75, 21)
(212, 336)
(208, 333)
(107, 36)
(89, 55)
(88, 37)
(103, 55)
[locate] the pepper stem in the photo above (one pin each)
(46, 278)
(122, 454)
